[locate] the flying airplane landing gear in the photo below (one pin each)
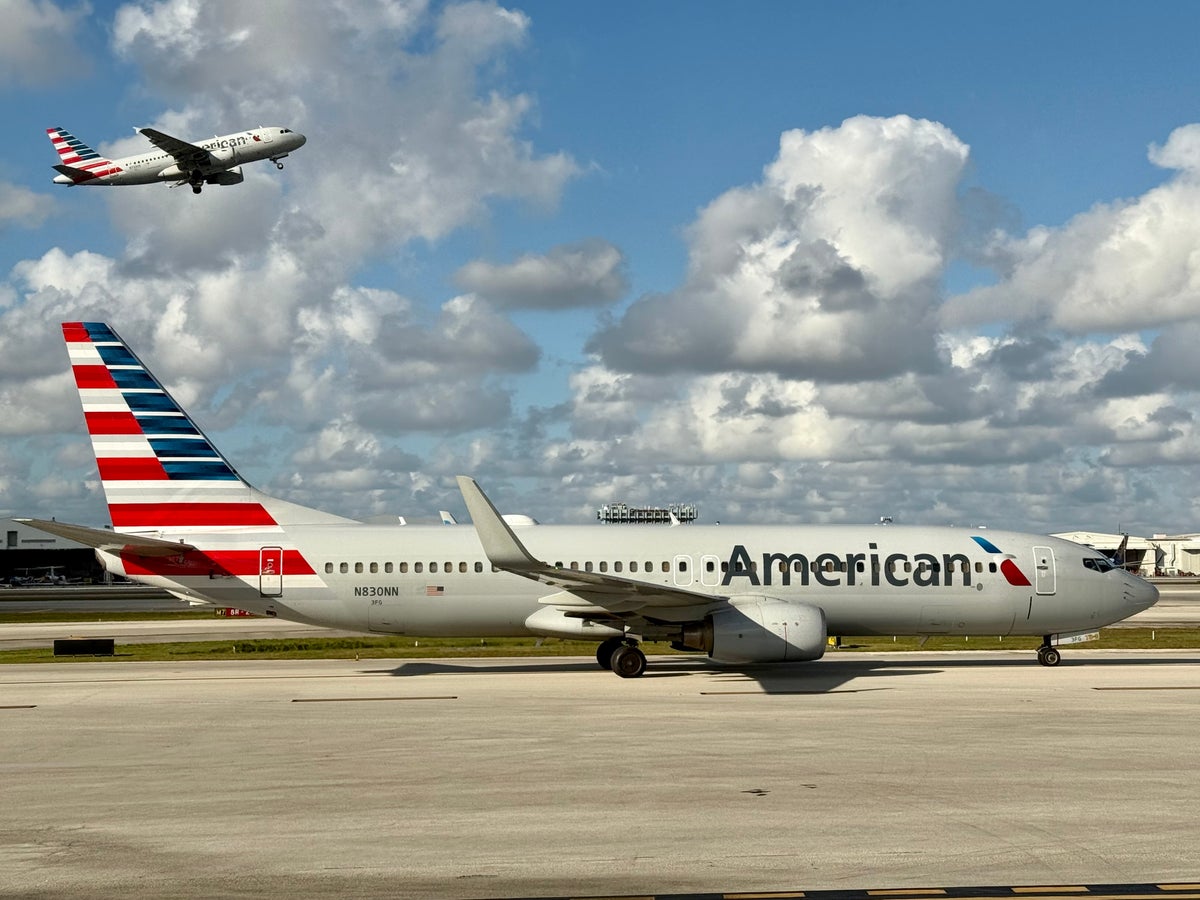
(1048, 655)
(278, 164)
(196, 188)
(629, 661)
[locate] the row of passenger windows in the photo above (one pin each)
(709, 564)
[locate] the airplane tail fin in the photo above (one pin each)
(158, 470)
(78, 161)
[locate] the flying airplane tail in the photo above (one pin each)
(158, 470)
(78, 161)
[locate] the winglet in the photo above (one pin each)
(503, 548)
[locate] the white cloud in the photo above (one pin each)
(827, 268)
(23, 208)
(588, 273)
(1119, 266)
(38, 42)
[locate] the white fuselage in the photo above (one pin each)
(436, 581)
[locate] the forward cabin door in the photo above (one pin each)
(1044, 577)
(270, 571)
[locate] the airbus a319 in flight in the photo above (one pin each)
(186, 521)
(217, 160)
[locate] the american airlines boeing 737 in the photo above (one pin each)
(217, 160)
(185, 520)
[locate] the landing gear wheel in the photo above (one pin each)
(1049, 656)
(195, 188)
(629, 662)
(604, 653)
(279, 165)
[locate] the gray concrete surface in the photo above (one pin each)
(504, 778)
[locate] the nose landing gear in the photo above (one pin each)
(1048, 655)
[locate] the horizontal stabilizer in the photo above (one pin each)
(72, 172)
(111, 541)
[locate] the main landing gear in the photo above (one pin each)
(278, 164)
(1047, 654)
(621, 656)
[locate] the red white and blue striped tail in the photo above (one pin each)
(77, 160)
(159, 471)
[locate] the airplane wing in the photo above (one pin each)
(185, 154)
(612, 593)
(111, 541)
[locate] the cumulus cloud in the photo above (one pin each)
(589, 273)
(827, 268)
(1117, 267)
(38, 43)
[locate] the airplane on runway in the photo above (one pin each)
(186, 521)
(217, 160)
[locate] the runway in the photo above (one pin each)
(550, 778)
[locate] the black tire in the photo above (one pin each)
(1049, 656)
(629, 662)
(604, 653)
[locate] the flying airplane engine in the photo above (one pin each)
(232, 176)
(754, 629)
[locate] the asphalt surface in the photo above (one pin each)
(551, 778)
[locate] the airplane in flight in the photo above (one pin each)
(217, 160)
(185, 520)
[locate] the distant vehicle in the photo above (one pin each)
(217, 160)
(184, 520)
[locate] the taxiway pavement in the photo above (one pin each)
(519, 777)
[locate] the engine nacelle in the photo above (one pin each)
(232, 176)
(757, 629)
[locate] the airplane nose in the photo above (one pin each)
(301, 140)
(1141, 593)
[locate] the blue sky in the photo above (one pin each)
(805, 262)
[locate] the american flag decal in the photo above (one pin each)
(434, 590)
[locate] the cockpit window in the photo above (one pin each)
(285, 131)
(1098, 564)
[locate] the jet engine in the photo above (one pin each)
(231, 176)
(756, 629)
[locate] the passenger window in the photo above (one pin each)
(374, 568)
(649, 567)
(403, 568)
(683, 565)
(574, 565)
(478, 567)
(344, 568)
(462, 567)
(448, 568)
(666, 567)
(358, 568)
(433, 568)
(603, 567)
(992, 568)
(633, 566)
(587, 566)
(709, 566)
(978, 568)
(387, 568)
(418, 568)
(328, 568)
(617, 566)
